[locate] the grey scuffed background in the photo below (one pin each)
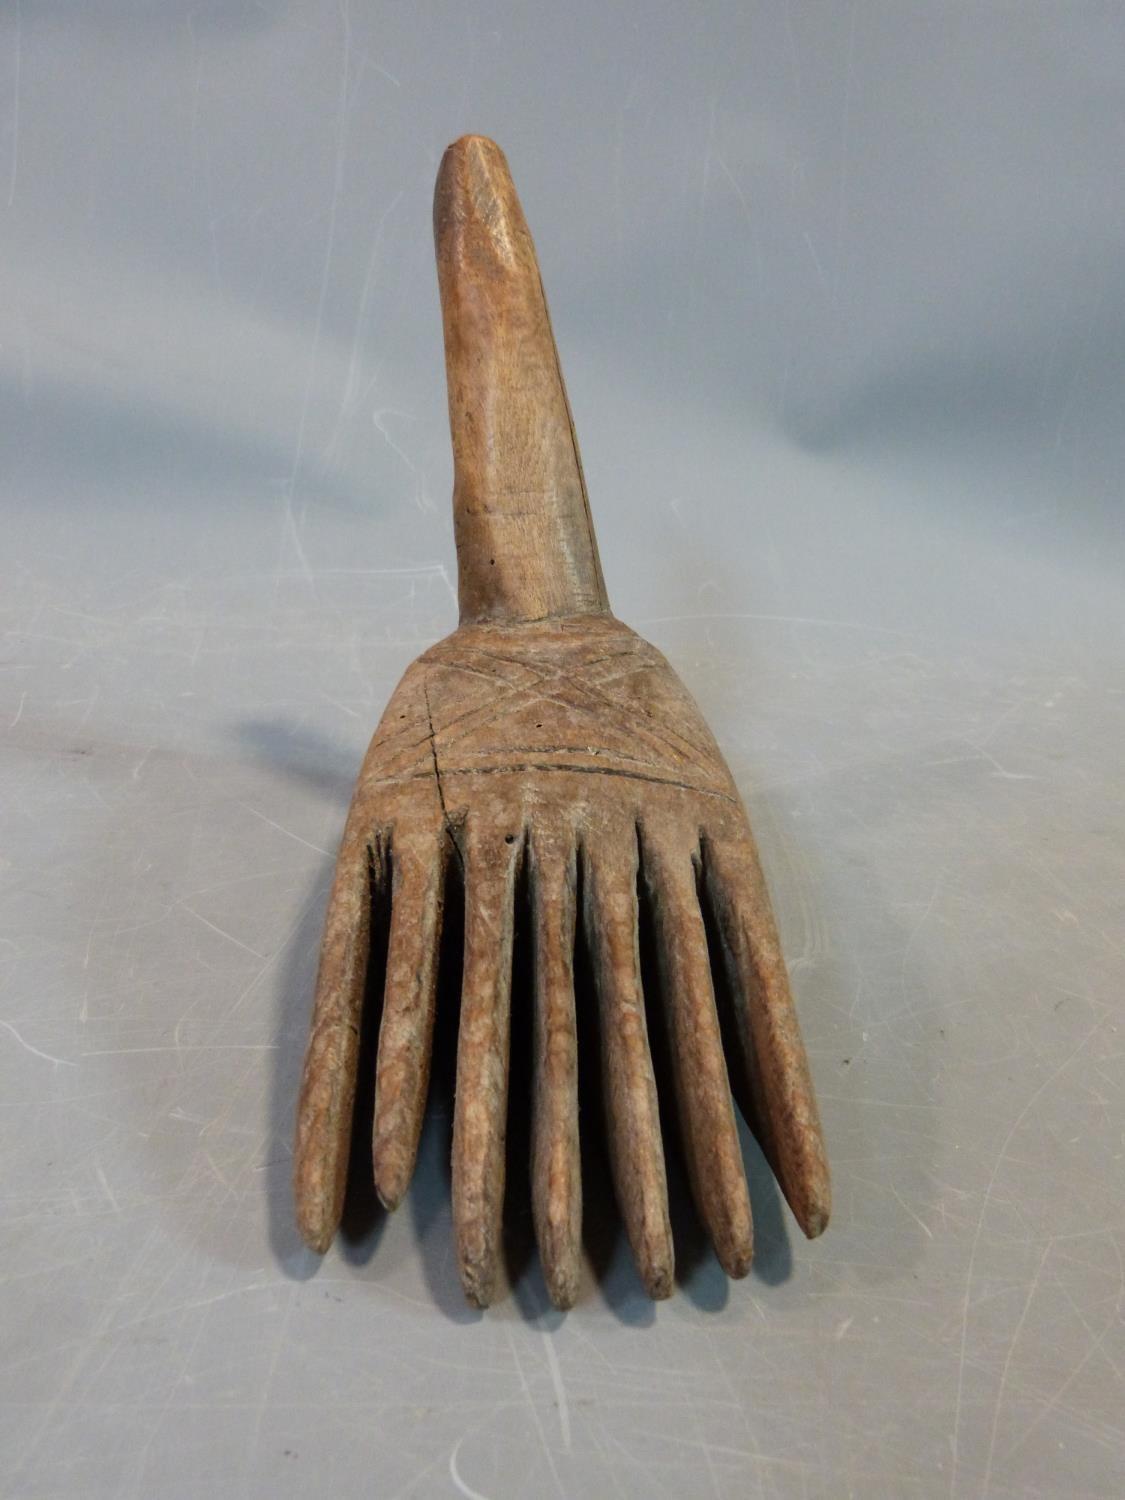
(840, 296)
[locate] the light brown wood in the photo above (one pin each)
(525, 539)
(545, 737)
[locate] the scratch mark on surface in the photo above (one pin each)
(455, 1475)
(807, 237)
(16, 105)
(113, 1203)
(750, 220)
(185, 1047)
(1032, 1101)
(701, 209)
(60, 1062)
(271, 1375)
(1008, 1364)
(796, 59)
(287, 831)
(917, 928)
(560, 1390)
(329, 250)
(230, 937)
(351, 384)
(343, 707)
(770, 619)
(842, 196)
(420, 498)
(384, 72)
(921, 1223)
(1096, 1347)
(550, 1457)
(1000, 770)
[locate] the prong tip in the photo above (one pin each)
(815, 1221)
(315, 1231)
(737, 1262)
(478, 1284)
(562, 1289)
(391, 1181)
(659, 1282)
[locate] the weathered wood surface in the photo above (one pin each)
(545, 738)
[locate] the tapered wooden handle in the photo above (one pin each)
(525, 539)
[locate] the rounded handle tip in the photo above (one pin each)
(525, 540)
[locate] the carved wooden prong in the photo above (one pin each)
(406, 1035)
(556, 1179)
(699, 1070)
(773, 1054)
(636, 1148)
(324, 1110)
(481, 1102)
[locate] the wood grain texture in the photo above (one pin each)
(525, 539)
(556, 1170)
(546, 737)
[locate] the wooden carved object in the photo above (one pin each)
(545, 740)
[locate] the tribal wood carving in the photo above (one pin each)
(545, 736)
